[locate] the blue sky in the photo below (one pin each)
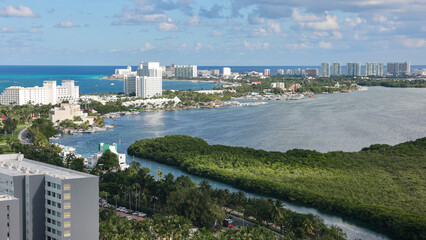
(222, 32)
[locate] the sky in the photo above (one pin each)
(221, 32)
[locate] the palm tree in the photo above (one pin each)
(116, 197)
(159, 174)
(136, 187)
(276, 212)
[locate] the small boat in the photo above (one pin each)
(112, 84)
(311, 96)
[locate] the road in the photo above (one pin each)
(239, 222)
(24, 137)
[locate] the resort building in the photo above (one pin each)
(370, 69)
(147, 82)
(398, 68)
(325, 69)
(354, 69)
(54, 203)
(92, 161)
(50, 93)
(185, 71)
(380, 69)
(278, 85)
(267, 72)
(68, 111)
(337, 69)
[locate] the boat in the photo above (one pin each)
(311, 96)
(112, 84)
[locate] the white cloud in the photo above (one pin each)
(259, 32)
(19, 11)
(352, 22)
(148, 46)
(414, 42)
(256, 45)
(34, 30)
(298, 46)
(194, 21)
(8, 30)
(66, 24)
(184, 45)
(255, 19)
(216, 33)
(198, 47)
(167, 27)
(313, 21)
(337, 35)
(275, 27)
(325, 45)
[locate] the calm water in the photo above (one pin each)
(331, 122)
(88, 78)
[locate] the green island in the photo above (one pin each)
(383, 185)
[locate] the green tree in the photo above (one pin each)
(108, 161)
(9, 125)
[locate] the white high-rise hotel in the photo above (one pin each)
(50, 93)
(147, 82)
(325, 69)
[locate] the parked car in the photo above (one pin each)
(228, 222)
(129, 218)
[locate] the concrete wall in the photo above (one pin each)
(10, 219)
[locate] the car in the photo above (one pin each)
(129, 218)
(227, 222)
(135, 213)
(141, 214)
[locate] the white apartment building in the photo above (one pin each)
(92, 161)
(354, 69)
(370, 69)
(280, 72)
(337, 69)
(50, 93)
(146, 82)
(325, 69)
(380, 69)
(278, 85)
(185, 71)
(226, 71)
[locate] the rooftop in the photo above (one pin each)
(17, 165)
(6, 197)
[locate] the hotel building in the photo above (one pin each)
(325, 69)
(50, 93)
(185, 71)
(354, 69)
(337, 69)
(147, 82)
(370, 69)
(53, 202)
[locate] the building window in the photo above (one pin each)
(53, 185)
(67, 233)
(59, 233)
(67, 215)
(67, 224)
(49, 229)
(49, 220)
(58, 224)
(58, 195)
(59, 215)
(48, 184)
(67, 196)
(58, 186)
(48, 202)
(67, 187)
(59, 205)
(67, 205)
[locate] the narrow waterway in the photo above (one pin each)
(330, 122)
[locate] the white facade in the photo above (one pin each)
(226, 71)
(149, 82)
(186, 71)
(370, 69)
(278, 85)
(380, 69)
(325, 69)
(354, 69)
(280, 71)
(337, 69)
(50, 93)
(130, 83)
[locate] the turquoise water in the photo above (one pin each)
(324, 123)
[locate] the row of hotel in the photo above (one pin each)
(371, 69)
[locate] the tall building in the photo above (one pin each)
(149, 82)
(325, 69)
(380, 69)
(404, 68)
(54, 202)
(370, 69)
(9, 218)
(354, 69)
(226, 71)
(130, 83)
(311, 72)
(337, 69)
(50, 93)
(186, 71)
(280, 72)
(267, 72)
(289, 72)
(398, 68)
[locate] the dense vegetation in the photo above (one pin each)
(398, 83)
(201, 206)
(40, 131)
(383, 185)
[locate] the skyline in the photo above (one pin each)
(227, 32)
